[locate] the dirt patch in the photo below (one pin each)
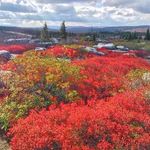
(3, 141)
(3, 144)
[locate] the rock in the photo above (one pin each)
(90, 49)
(5, 54)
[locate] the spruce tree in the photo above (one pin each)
(94, 37)
(135, 36)
(63, 31)
(148, 34)
(130, 36)
(45, 33)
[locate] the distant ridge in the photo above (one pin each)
(80, 29)
(109, 29)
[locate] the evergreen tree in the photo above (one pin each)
(45, 33)
(135, 36)
(147, 35)
(94, 37)
(63, 31)
(130, 36)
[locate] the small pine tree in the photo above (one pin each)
(45, 33)
(135, 36)
(94, 37)
(129, 36)
(147, 34)
(63, 31)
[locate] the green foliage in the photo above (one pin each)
(135, 74)
(37, 82)
(130, 36)
(137, 78)
(134, 44)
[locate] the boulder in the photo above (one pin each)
(5, 54)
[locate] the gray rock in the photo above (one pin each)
(5, 54)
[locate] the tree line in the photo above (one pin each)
(135, 35)
(45, 34)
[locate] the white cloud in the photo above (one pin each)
(75, 12)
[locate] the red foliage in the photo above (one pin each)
(8, 66)
(61, 51)
(122, 122)
(140, 53)
(112, 119)
(17, 49)
(104, 76)
(65, 52)
(111, 53)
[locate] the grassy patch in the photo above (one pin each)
(134, 44)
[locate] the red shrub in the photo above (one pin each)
(8, 66)
(140, 53)
(122, 122)
(17, 49)
(60, 51)
(104, 76)
(65, 52)
(113, 118)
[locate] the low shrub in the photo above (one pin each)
(17, 49)
(122, 122)
(36, 82)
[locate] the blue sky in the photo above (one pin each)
(33, 13)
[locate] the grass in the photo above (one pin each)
(134, 44)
